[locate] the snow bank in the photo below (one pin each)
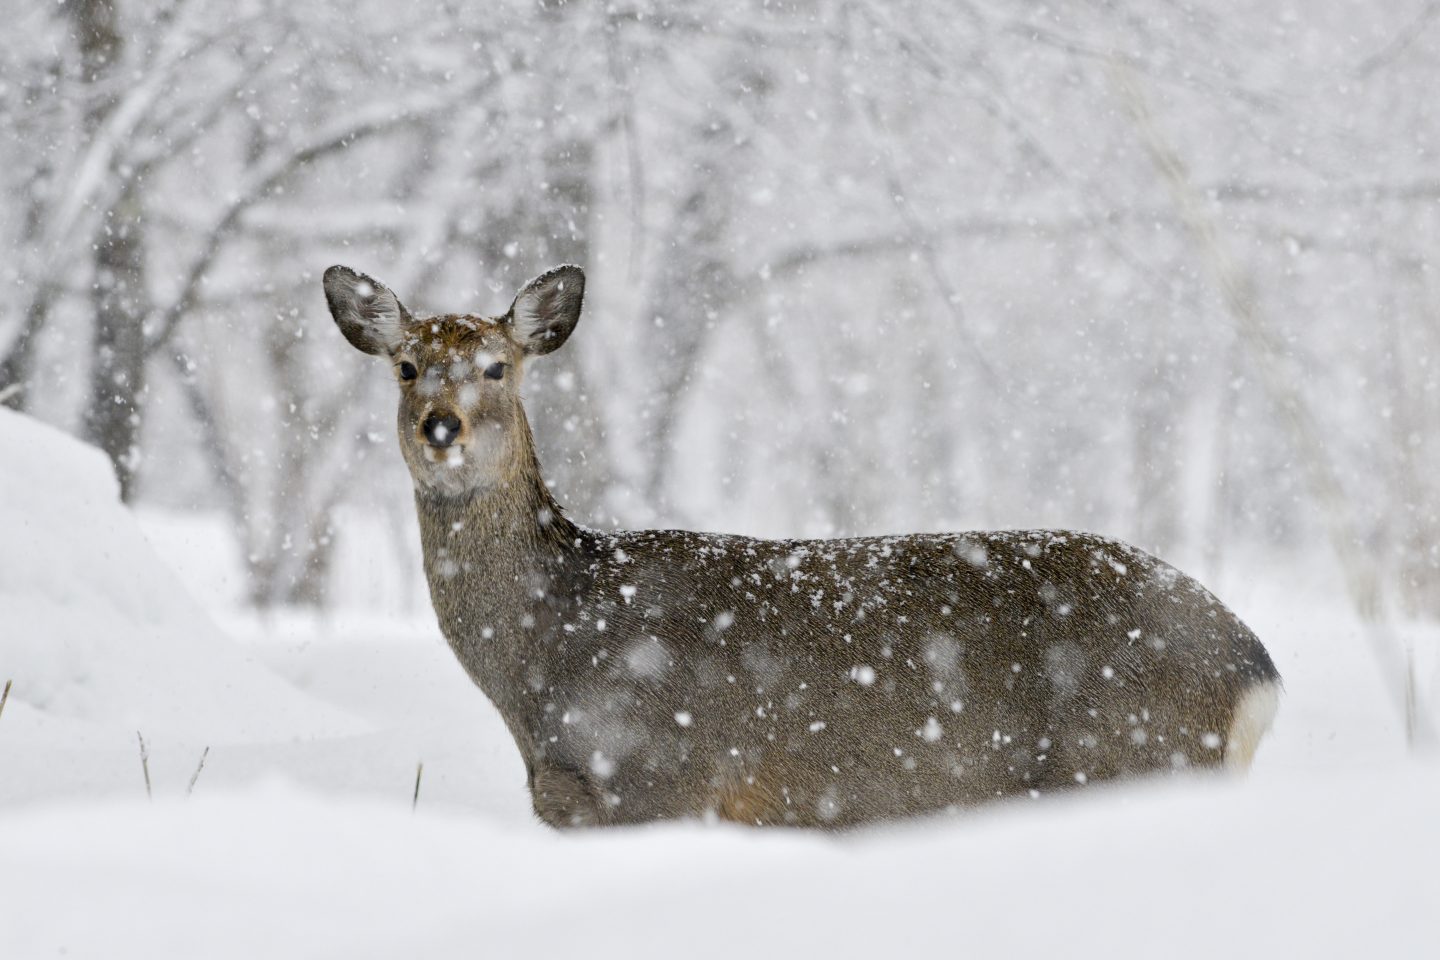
(94, 628)
(1340, 867)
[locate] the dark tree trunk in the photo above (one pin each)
(694, 287)
(117, 378)
(569, 426)
(547, 225)
(17, 367)
(1157, 474)
(1220, 515)
(696, 283)
(1415, 525)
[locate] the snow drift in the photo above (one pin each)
(94, 627)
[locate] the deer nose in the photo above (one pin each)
(441, 429)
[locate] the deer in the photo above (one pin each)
(654, 675)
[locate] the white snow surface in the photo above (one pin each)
(1322, 867)
(299, 839)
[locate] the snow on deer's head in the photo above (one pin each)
(461, 423)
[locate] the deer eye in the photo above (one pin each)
(408, 371)
(496, 370)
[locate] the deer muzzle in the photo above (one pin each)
(441, 428)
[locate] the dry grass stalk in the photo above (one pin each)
(145, 765)
(196, 775)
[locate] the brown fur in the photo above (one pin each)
(754, 800)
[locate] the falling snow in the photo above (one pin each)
(1163, 273)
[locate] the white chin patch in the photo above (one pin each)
(450, 456)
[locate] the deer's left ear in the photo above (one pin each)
(546, 310)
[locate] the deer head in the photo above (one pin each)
(461, 422)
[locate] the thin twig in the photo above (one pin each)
(268, 175)
(1401, 41)
(5, 695)
(196, 775)
(145, 765)
(415, 800)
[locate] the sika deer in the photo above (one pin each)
(661, 673)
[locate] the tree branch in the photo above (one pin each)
(1402, 41)
(269, 175)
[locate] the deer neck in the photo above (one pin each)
(502, 561)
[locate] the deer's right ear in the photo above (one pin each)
(365, 310)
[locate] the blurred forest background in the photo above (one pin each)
(1154, 268)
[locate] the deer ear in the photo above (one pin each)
(365, 310)
(547, 309)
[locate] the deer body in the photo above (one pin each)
(659, 674)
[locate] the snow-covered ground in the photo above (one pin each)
(299, 839)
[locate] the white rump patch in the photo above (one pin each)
(1253, 716)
